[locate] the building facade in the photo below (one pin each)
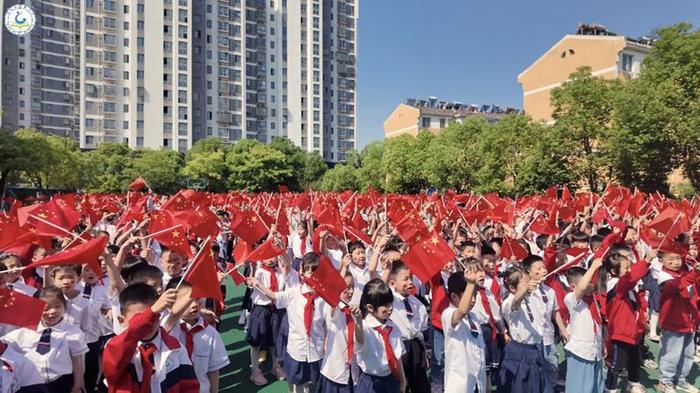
(610, 56)
(166, 73)
(433, 115)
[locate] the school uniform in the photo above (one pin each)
(97, 302)
(679, 319)
(623, 311)
(378, 366)
(77, 311)
(439, 301)
(162, 363)
(205, 348)
(487, 313)
(299, 248)
(360, 277)
(17, 373)
(337, 363)
(259, 333)
(545, 307)
(465, 354)
(305, 310)
(584, 350)
(51, 349)
(411, 318)
(522, 367)
(336, 257)
(280, 319)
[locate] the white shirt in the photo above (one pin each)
(295, 244)
(371, 355)
(300, 346)
(335, 360)
(23, 288)
(465, 355)
(336, 257)
(20, 373)
(413, 327)
(66, 341)
(522, 329)
(77, 311)
(479, 313)
(585, 341)
(97, 302)
(360, 277)
(259, 298)
(116, 311)
(545, 311)
(208, 352)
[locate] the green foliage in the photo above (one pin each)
(109, 168)
(207, 160)
(340, 178)
(160, 169)
(256, 167)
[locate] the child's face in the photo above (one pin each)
(449, 267)
(382, 313)
(347, 293)
(595, 246)
(89, 275)
(523, 282)
(12, 263)
(469, 252)
(130, 311)
(672, 261)
(172, 263)
(489, 263)
(358, 256)
(580, 244)
(631, 237)
(496, 247)
(270, 262)
(38, 254)
(53, 311)
(625, 265)
(301, 231)
(402, 282)
(538, 270)
(480, 277)
(65, 279)
(331, 242)
(192, 312)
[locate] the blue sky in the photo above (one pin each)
(472, 51)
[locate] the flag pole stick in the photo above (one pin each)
(80, 236)
(150, 235)
(194, 260)
(54, 226)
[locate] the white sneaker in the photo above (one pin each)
(650, 363)
(636, 387)
(663, 388)
(610, 390)
(686, 387)
(654, 337)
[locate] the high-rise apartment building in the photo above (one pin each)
(166, 73)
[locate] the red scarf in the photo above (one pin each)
(385, 332)
(595, 312)
(495, 287)
(487, 306)
(351, 332)
(189, 336)
(309, 311)
(147, 366)
(273, 277)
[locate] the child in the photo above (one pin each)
(522, 367)
(492, 281)
(357, 267)
(465, 354)
(173, 264)
(411, 319)
(14, 278)
(97, 307)
(17, 373)
(144, 357)
(378, 348)
(545, 304)
(300, 244)
(678, 320)
(336, 366)
(66, 278)
(302, 361)
(56, 347)
(203, 344)
(439, 302)
(584, 349)
(622, 311)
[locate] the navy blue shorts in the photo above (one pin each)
(373, 384)
(299, 373)
(280, 331)
(522, 369)
(325, 385)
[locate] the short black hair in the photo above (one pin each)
(613, 261)
(468, 243)
(579, 236)
(396, 267)
(531, 260)
(138, 293)
(512, 276)
(376, 293)
(604, 231)
(310, 262)
(497, 240)
(487, 250)
(596, 239)
(354, 245)
(51, 291)
(574, 274)
(541, 241)
(76, 268)
(143, 272)
(456, 284)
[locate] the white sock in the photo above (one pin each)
(254, 354)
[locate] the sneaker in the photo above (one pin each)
(654, 337)
(650, 363)
(258, 378)
(686, 387)
(610, 390)
(663, 388)
(262, 356)
(278, 372)
(636, 387)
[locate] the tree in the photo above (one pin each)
(207, 160)
(583, 110)
(403, 160)
(38, 156)
(371, 171)
(545, 163)
(14, 158)
(340, 178)
(314, 169)
(108, 168)
(160, 168)
(256, 167)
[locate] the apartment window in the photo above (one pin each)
(139, 141)
(126, 58)
(89, 139)
(140, 8)
(425, 122)
(126, 42)
(139, 125)
(110, 39)
(443, 123)
(126, 75)
(110, 56)
(110, 22)
(139, 75)
(627, 62)
(139, 42)
(108, 124)
(109, 107)
(110, 5)
(125, 92)
(89, 123)
(126, 25)
(125, 108)
(139, 108)
(109, 73)
(125, 125)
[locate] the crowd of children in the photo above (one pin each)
(570, 314)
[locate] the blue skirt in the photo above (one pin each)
(299, 373)
(522, 369)
(259, 332)
(280, 331)
(325, 385)
(373, 384)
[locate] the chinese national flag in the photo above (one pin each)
(544, 227)
(84, 253)
(266, 250)
(235, 275)
(411, 228)
(19, 309)
(60, 215)
(551, 192)
(247, 226)
(428, 256)
(9, 227)
(283, 188)
(241, 251)
(202, 275)
(179, 202)
(327, 282)
(566, 194)
(511, 248)
(671, 222)
(175, 235)
(138, 184)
